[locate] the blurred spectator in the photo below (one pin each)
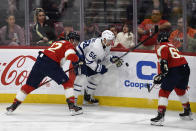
(91, 31)
(68, 27)
(43, 31)
(124, 39)
(12, 34)
(51, 8)
(191, 12)
(176, 37)
(146, 29)
(12, 7)
(113, 29)
(175, 13)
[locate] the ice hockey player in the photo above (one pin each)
(174, 75)
(49, 63)
(94, 52)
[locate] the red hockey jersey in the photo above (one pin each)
(61, 50)
(170, 53)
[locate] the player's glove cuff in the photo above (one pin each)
(117, 61)
(158, 78)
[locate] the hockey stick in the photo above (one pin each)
(150, 88)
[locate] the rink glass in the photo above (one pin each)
(91, 17)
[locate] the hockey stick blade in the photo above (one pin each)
(148, 87)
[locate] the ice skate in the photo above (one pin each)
(13, 107)
(187, 114)
(88, 99)
(74, 110)
(158, 121)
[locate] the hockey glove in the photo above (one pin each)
(103, 69)
(158, 78)
(164, 66)
(117, 61)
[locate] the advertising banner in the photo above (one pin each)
(127, 81)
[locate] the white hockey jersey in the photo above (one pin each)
(94, 53)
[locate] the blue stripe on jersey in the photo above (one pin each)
(97, 67)
(89, 62)
(81, 49)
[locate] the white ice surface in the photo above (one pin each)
(56, 117)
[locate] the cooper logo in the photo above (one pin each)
(15, 70)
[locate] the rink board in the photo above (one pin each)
(124, 86)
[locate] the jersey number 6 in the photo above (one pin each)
(174, 52)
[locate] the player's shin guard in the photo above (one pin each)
(20, 96)
(74, 110)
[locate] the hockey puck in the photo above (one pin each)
(127, 64)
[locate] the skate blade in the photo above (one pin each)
(86, 103)
(8, 112)
(73, 113)
(157, 123)
(186, 118)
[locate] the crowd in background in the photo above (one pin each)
(49, 18)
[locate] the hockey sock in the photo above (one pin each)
(163, 100)
(77, 91)
(183, 96)
(69, 93)
(23, 92)
(161, 109)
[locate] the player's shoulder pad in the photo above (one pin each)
(160, 49)
(97, 47)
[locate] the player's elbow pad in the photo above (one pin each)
(164, 66)
(73, 57)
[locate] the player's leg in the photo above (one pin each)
(20, 97)
(90, 88)
(162, 105)
(183, 97)
(70, 98)
(34, 79)
(167, 86)
(79, 86)
(67, 81)
(182, 92)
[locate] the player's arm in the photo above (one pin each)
(70, 54)
(162, 54)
